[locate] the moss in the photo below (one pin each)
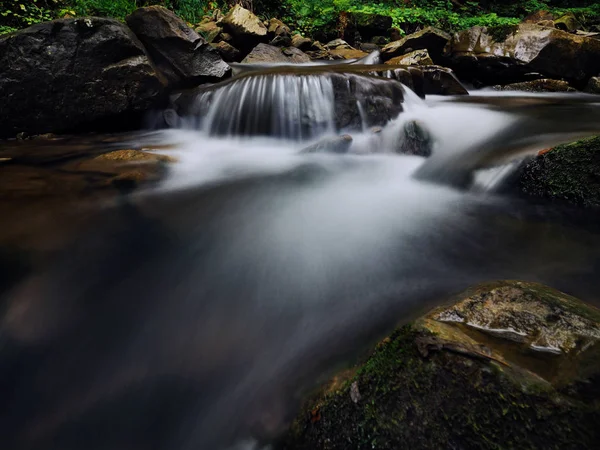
(568, 173)
(445, 397)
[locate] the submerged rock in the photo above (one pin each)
(75, 73)
(567, 173)
(453, 381)
(430, 39)
(508, 54)
(184, 57)
(336, 144)
(543, 85)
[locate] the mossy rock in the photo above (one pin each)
(568, 173)
(441, 383)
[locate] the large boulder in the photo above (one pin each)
(502, 55)
(271, 54)
(246, 28)
(182, 55)
(508, 365)
(430, 39)
(75, 73)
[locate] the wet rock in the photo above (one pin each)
(347, 53)
(508, 54)
(75, 73)
(593, 86)
(568, 22)
(441, 81)
(416, 140)
(301, 42)
(369, 47)
(416, 58)
(430, 39)
(247, 28)
(182, 55)
(270, 53)
(543, 85)
(209, 30)
(451, 381)
(281, 41)
(566, 174)
(130, 155)
(227, 51)
(336, 144)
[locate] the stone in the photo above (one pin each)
(336, 144)
(181, 54)
(227, 51)
(269, 53)
(246, 27)
(476, 374)
(281, 41)
(395, 34)
(503, 55)
(440, 80)
(209, 31)
(593, 86)
(369, 47)
(543, 85)
(277, 28)
(70, 74)
(347, 53)
(430, 39)
(338, 44)
(568, 22)
(301, 42)
(416, 58)
(379, 40)
(416, 140)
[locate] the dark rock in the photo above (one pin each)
(416, 140)
(379, 40)
(338, 43)
(474, 375)
(75, 73)
(300, 42)
(441, 81)
(395, 34)
(368, 47)
(181, 54)
(430, 39)
(228, 52)
(503, 55)
(269, 53)
(281, 41)
(567, 173)
(416, 58)
(593, 86)
(543, 85)
(366, 25)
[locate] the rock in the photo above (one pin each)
(338, 44)
(347, 53)
(319, 52)
(441, 81)
(380, 41)
(227, 51)
(543, 85)
(539, 16)
(568, 22)
(416, 140)
(281, 41)
(336, 144)
(508, 362)
(430, 39)
(75, 73)
(365, 24)
(368, 47)
(269, 53)
(503, 55)
(130, 155)
(395, 34)
(593, 86)
(247, 29)
(301, 42)
(416, 58)
(567, 174)
(277, 28)
(209, 31)
(181, 54)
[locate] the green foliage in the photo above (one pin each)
(22, 13)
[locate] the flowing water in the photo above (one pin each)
(194, 314)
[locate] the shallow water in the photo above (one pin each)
(192, 313)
